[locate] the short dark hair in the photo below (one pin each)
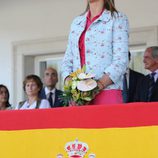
(3, 86)
(34, 78)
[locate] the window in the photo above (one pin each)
(136, 62)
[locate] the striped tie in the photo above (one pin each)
(151, 86)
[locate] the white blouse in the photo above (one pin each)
(43, 105)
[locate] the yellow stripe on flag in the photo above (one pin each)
(135, 142)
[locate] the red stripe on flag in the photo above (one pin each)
(125, 115)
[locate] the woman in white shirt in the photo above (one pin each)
(32, 86)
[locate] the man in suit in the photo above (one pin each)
(50, 92)
(132, 80)
(148, 87)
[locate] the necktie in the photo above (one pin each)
(151, 86)
(125, 89)
(50, 99)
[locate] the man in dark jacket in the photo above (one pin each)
(148, 87)
(132, 81)
(50, 92)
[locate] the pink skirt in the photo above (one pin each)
(108, 97)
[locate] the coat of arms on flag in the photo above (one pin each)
(76, 149)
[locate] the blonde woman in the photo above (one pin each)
(99, 40)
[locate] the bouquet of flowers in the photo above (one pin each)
(81, 88)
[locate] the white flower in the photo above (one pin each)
(85, 76)
(86, 85)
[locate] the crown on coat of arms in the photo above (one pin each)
(76, 149)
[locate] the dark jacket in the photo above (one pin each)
(58, 101)
(142, 91)
(134, 80)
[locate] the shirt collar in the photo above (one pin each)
(156, 75)
(156, 72)
(94, 18)
(47, 91)
(105, 17)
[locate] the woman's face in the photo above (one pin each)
(31, 88)
(3, 95)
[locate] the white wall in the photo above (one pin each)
(22, 20)
(141, 13)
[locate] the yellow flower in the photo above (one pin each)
(73, 74)
(79, 71)
(76, 73)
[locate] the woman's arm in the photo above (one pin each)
(119, 63)
(67, 62)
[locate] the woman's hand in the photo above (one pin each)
(100, 85)
(104, 82)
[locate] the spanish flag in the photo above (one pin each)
(122, 131)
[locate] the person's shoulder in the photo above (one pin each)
(147, 76)
(9, 108)
(144, 79)
(43, 90)
(120, 15)
(78, 19)
(59, 91)
(20, 104)
(42, 93)
(44, 104)
(44, 101)
(136, 73)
